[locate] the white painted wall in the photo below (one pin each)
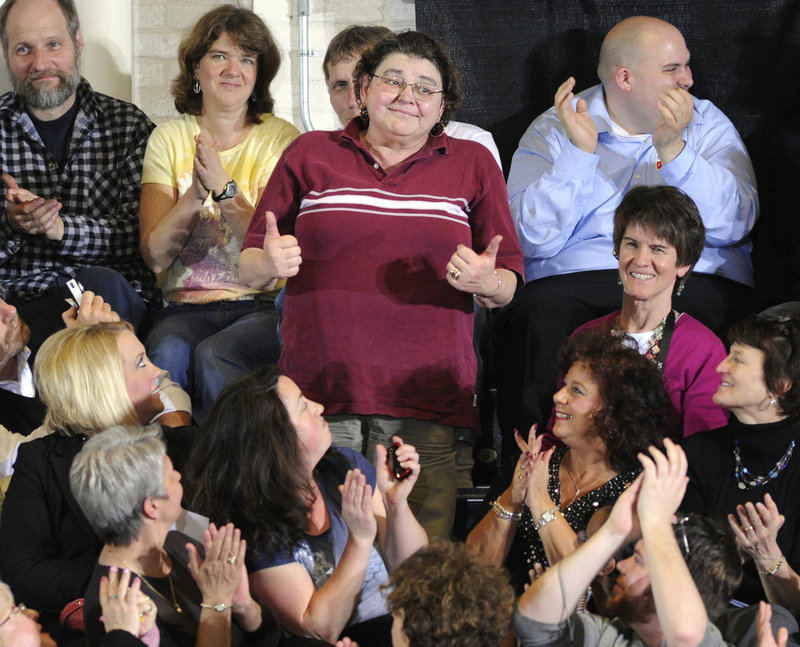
(326, 19)
(131, 47)
(107, 56)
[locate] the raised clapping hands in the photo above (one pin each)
(124, 605)
(676, 106)
(537, 496)
(577, 122)
(523, 470)
(357, 508)
(393, 490)
(281, 253)
(221, 577)
(474, 273)
(31, 214)
(758, 533)
(93, 310)
(663, 483)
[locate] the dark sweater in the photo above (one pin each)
(714, 491)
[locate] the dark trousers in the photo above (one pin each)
(531, 329)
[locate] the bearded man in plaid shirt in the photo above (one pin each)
(71, 161)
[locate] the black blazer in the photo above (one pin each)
(47, 548)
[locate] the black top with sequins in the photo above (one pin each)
(577, 513)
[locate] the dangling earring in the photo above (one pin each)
(196, 87)
(362, 112)
(437, 130)
(681, 286)
(253, 98)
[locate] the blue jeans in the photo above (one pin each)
(115, 290)
(205, 347)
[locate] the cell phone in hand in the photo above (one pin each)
(76, 290)
(398, 470)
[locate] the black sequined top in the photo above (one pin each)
(577, 513)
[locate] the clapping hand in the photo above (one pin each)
(124, 605)
(357, 507)
(219, 576)
(577, 121)
(31, 214)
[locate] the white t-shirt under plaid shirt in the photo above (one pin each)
(99, 188)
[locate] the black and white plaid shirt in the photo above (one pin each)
(99, 188)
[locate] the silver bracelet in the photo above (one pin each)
(219, 608)
(504, 514)
(547, 517)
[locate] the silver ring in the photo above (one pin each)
(455, 273)
(747, 529)
(231, 560)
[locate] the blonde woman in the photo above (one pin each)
(91, 378)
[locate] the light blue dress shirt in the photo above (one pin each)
(563, 199)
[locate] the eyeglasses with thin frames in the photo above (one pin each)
(421, 91)
(16, 611)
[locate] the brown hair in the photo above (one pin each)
(415, 44)
(666, 212)
(450, 598)
(777, 337)
(67, 8)
(636, 410)
(351, 42)
(251, 34)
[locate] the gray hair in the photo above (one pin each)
(113, 475)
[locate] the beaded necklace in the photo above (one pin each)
(657, 352)
(747, 481)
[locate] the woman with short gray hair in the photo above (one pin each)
(131, 494)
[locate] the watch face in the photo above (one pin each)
(228, 191)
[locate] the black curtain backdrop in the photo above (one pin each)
(745, 58)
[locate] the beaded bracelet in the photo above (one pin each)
(504, 514)
(772, 569)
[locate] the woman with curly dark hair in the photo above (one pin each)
(323, 526)
(612, 406)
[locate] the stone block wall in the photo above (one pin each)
(158, 26)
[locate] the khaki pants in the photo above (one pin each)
(433, 499)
